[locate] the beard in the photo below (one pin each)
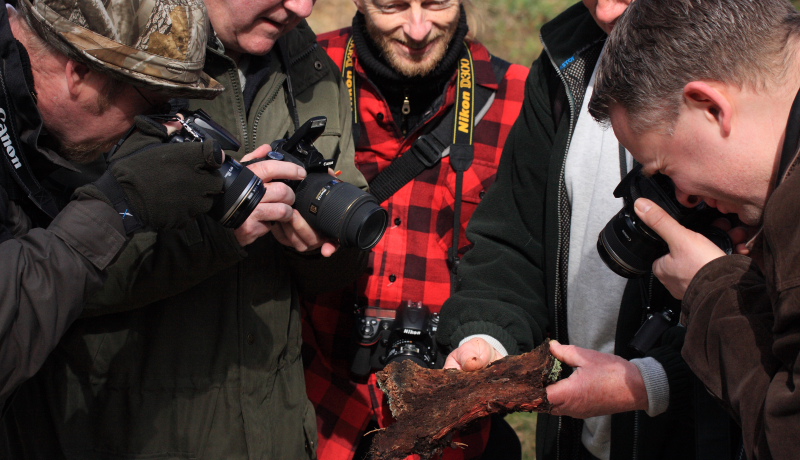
(83, 153)
(412, 66)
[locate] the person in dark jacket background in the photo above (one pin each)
(406, 60)
(64, 103)
(534, 273)
(721, 118)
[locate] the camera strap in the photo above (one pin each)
(791, 139)
(14, 162)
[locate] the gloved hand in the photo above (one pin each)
(154, 183)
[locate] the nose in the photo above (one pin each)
(687, 200)
(301, 8)
(417, 26)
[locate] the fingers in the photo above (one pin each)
(473, 355)
(260, 152)
(272, 169)
(328, 249)
(659, 220)
(568, 354)
(298, 234)
(452, 363)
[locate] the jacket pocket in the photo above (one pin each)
(476, 182)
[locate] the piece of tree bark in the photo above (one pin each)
(429, 405)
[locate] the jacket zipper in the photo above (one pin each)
(272, 96)
(558, 305)
(263, 107)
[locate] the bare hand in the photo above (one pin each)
(688, 251)
(298, 234)
(472, 356)
(740, 236)
(601, 384)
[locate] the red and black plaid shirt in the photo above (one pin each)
(410, 262)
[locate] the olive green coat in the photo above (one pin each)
(193, 348)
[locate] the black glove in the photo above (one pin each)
(154, 183)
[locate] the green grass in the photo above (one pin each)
(524, 424)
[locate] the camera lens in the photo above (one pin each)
(341, 210)
(406, 350)
(242, 191)
(627, 247)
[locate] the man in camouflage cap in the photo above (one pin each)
(73, 77)
(194, 343)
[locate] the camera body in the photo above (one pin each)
(385, 335)
(629, 247)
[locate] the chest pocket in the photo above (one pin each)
(477, 180)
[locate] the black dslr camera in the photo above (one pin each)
(337, 209)
(385, 335)
(629, 247)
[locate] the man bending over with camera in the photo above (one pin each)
(72, 82)
(721, 118)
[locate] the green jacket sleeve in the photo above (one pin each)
(158, 265)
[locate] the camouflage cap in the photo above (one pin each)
(157, 44)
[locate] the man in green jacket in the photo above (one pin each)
(193, 348)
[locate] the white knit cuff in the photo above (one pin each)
(491, 340)
(656, 384)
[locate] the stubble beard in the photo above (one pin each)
(408, 66)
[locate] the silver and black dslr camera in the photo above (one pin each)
(385, 335)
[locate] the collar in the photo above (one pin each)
(570, 33)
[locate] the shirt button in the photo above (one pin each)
(318, 65)
(251, 339)
(379, 116)
(392, 278)
(398, 221)
(480, 195)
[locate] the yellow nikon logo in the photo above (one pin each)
(465, 81)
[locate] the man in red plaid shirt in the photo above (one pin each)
(408, 65)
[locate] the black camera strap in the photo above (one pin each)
(791, 140)
(453, 135)
(15, 164)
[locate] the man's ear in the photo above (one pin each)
(360, 6)
(77, 75)
(713, 102)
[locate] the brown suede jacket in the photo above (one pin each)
(743, 337)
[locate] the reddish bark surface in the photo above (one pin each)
(430, 404)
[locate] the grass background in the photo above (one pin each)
(510, 29)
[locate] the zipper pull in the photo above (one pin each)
(405, 111)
